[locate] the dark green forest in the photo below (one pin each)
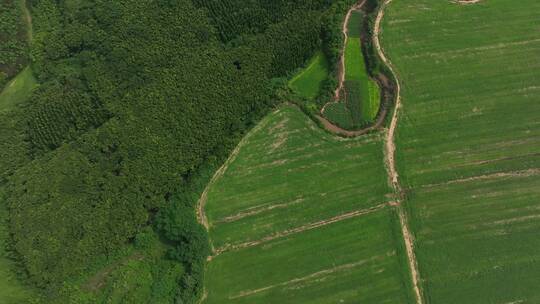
(13, 42)
(139, 103)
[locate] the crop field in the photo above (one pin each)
(361, 93)
(17, 90)
(308, 82)
(468, 144)
(299, 212)
(338, 113)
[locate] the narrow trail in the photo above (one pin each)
(466, 1)
(28, 19)
(390, 150)
(345, 32)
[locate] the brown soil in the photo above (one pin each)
(466, 1)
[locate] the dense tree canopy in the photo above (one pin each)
(139, 102)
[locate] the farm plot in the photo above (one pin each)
(361, 94)
(308, 82)
(301, 216)
(468, 144)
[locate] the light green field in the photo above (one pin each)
(471, 108)
(308, 82)
(287, 181)
(364, 90)
(17, 90)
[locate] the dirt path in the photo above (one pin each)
(345, 31)
(466, 1)
(390, 150)
(28, 19)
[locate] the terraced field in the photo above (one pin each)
(301, 216)
(468, 144)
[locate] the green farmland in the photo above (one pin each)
(307, 214)
(468, 144)
(308, 82)
(361, 94)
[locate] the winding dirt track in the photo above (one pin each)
(28, 20)
(345, 32)
(390, 150)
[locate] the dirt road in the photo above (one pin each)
(390, 150)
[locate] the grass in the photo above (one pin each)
(470, 109)
(289, 174)
(17, 90)
(308, 82)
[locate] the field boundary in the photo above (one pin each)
(303, 228)
(465, 2)
(201, 215)
(390, 162)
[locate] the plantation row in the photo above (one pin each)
(70, 114)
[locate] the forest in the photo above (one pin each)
(138, 103)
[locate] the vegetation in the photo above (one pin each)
(120, 138)
(362, 94)
(116, 117)
(13, 40)
(287, 175)
(338, 113)
(467, 145)
(17, 90)
(309, 80)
